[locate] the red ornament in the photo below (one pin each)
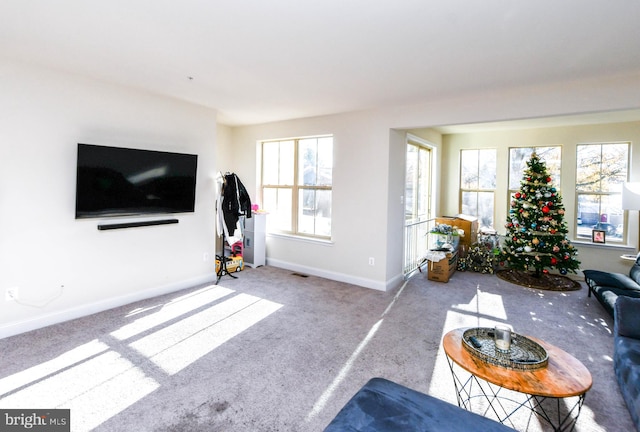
(554, 261)
(518, 195)
(545, 271)
(548, 179)
(545, 209)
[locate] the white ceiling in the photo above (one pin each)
(264, 60)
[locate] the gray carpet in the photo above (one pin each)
(272, 351)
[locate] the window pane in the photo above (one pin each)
(602, 212)
(588, 213)
(589, 163)
(485, 209)
(325, 161)
(270, 163)
(286, 166)
(314, 215)
(307, 162)
(519, 156)
(601, 167)
(423, 182)
(469, 169)
(611, 216)
(469, 203)
(614, 167)
(411, 182)
(479, 204)
(278, 203)
(552, 157)
(277, 163)
(315, 161)
(487, 167)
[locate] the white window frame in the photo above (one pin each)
(295, 188)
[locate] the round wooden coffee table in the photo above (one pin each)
(564, 377)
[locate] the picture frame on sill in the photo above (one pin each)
(598, 236)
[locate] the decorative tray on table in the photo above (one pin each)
(524, 353)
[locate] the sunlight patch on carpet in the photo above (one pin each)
(95, 389)
(178, 345)
(321, 402)
(484, 303)
(51, 367)
(172, 310)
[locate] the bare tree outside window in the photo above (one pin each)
(601, 170)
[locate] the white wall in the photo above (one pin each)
(360, 198)
(65, 267)
(369, 169)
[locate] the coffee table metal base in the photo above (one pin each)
(503, 405)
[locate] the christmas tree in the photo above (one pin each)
(536, 238)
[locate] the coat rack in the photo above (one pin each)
(233, 202)
(222, 271)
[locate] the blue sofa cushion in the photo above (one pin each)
(626, 361)
(382, 405)
(627, 318)
(626, 353)
(614, 280)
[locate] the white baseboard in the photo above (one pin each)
(14, 328)
(340, 277)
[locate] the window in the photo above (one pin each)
(478, 184)
(518, 157)
(417, 183)
(296, 185)
(601, 171)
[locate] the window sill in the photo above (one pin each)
(618, 246)
(303, 239)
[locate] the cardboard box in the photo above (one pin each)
(467, 223)
(442, 270)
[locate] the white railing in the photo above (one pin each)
(415, 244)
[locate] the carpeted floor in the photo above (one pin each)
(272, 351)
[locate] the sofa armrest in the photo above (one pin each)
(634, 272)
(627, 317)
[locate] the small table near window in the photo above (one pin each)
(554, 394)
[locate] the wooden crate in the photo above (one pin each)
(467, 223)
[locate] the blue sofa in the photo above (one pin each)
(384, 406)
(626, 353)
(607, 287)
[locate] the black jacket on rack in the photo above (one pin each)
(235, 201)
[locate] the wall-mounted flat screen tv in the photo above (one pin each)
(115, 181)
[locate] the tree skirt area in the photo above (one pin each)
(551, 282)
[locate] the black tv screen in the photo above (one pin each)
(115, 181)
